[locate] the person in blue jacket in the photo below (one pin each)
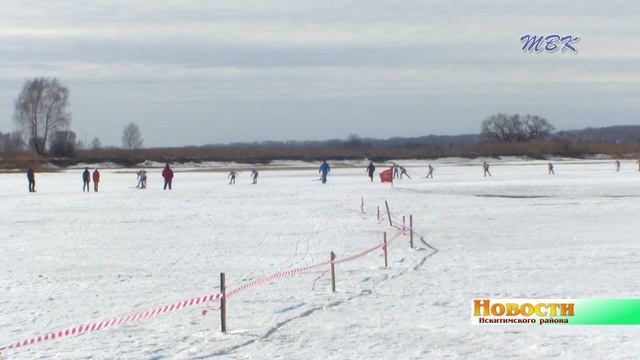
(324, 170)
(86, 179)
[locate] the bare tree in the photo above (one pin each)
(131, 138)
(497, 128)
(537, 127)
(96, 144)
(41, 109)
(515, 128)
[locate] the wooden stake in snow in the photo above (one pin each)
(362, 205)
(333, 272)
(223, 304)
(384, 247)
(403, 225)
(411, 231)
(388, 213)
(378, 213)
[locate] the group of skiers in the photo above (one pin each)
(398, 171)
(167, 174)
(233, 174)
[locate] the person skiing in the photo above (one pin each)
(31, 176)
(395, 170)
(550, 166)
(638, 161)
(371, 169)
(86, 179)
(617, 165)
(403, 171)
(254, 176)
(485, 168)
(324, 170)
(142, 179)
(167, 174)
(139, 178)
(96, 179)
(431, 169)
(232, 175)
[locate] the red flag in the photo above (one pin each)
(387, 175)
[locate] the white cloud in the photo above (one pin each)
(417, 51)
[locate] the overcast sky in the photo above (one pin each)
(198, 72)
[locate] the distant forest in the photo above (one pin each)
(624, 134)
(615, 141)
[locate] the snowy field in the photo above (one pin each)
(71, 258)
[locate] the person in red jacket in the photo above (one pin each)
(167, 174)
(96, 179)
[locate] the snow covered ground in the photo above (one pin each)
(71, 258)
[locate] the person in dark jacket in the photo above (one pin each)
(167, 174)
(86, 179)
(31, 176)
(96, 179)
(232, 176)
(371, 169)
(324, 170)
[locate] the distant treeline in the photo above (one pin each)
(616, 141)
(623, 134)
(264, 154)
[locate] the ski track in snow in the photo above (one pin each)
(72, 258)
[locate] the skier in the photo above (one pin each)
(431, 169)
(167, 174)
(370, 170)
(142, 179)
(638, 161)
(403, 171)
(550, 166)
(86, 178)
(324, 170)
(96, 179)
(254, 176)
(395, 170)
(31, 176)
(485, 167)
(232, 175)
(617, 165)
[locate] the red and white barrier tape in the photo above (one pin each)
(274, 277)
(366, 252)
(277, 276)
(96, 326)
(403, 227)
